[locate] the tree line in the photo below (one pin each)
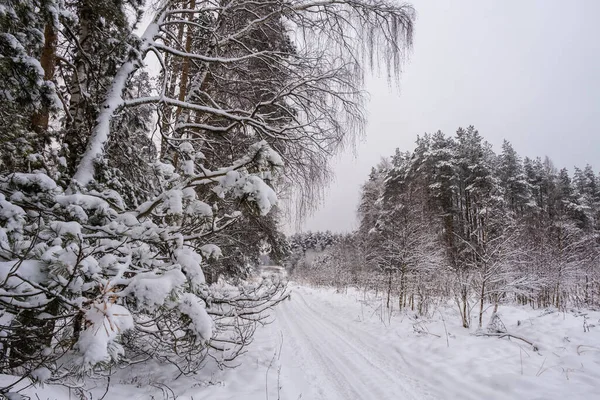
(452, 219)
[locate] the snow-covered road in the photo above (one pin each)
(323, 345)
(333, 346)
(333, 358)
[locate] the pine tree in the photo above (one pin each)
(512, 179)
(27, 69)
(509, 228)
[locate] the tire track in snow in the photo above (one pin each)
(392, 355)
(321, 372)
(387, 356)
(342, 365)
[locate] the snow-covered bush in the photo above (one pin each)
(88, 281)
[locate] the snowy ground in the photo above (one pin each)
(324, 345)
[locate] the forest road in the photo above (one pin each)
(332, 358)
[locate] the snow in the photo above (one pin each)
(189, 193)
(188, 167)
(423, 364)
(164, 169)
(250, 187)
(226, 182)
(174, 202)
(324, 345)
(110, 195)
(27, 269)
(77, 212)
(201, 324)
(152, 289)
(128, 219)
(267, 154)
(12, 216)
(85, 201)
(40, 181)
(199, 209)
(211, 251)
(66, 228)
(190, 262)
(97, 343)
(258, 191)
(41, 375)
(186, 147)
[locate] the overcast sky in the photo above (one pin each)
(527, 71)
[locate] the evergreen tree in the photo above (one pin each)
(509, 228)
(512, 179)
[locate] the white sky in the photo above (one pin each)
(524, 70)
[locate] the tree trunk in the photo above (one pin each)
(78, 126)
(39, 120)
(464, 311)
(389, 289)
(482, 294)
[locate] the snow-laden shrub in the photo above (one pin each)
(87, 281)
